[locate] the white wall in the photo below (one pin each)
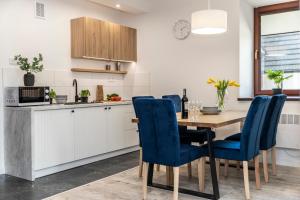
(176, 64)
(246, 49)
(22, 33)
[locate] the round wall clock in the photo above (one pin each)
(182, 29)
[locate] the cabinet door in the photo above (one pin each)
(115, 127)
(53, 138)
(124, 43)
(130, 132)
(90, 132)
(128, 44)
(97, 38)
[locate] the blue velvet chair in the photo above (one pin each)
(160, 139)
(141, 150)
(248, 147)
(269, 132)
(187, 136)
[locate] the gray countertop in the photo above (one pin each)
(63, 106)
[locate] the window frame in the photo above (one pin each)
(258, 12)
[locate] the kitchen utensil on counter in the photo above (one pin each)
(99, 94)
(61, 99)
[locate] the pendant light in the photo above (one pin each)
(206, 22)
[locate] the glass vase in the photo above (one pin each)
(221, 99)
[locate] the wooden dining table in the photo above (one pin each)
(211, 122)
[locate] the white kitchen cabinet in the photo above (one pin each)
(90, 132)
(53, 138)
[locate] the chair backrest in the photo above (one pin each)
(251, 133)
(176, 99)
(269, 132)
(159, 131)
(139, 97)
(133, 102)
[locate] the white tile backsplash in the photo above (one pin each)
(131, 84)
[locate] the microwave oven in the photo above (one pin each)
(27, 96)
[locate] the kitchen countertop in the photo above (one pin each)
(64, 106)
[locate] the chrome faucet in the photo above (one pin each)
(76, 90)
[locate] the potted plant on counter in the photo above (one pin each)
(277, 76)
(34, 67)
(84, 95)
(52, 95)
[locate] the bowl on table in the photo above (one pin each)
(61, 99)
(210, 110)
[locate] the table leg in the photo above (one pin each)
(150, 174)
(212, 165)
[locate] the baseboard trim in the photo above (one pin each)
(67, 166)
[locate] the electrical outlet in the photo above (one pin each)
(12, 61)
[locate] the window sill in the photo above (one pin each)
(290, 98)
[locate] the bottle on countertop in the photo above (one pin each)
(184, 105)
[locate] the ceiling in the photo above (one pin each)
(258, 3)
(129, 6)
(144, 6)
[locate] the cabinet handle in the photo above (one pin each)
(72, 111)
(105, 108)
(109, 108)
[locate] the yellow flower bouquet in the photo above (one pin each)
(221, 86)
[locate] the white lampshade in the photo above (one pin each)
(209, 22)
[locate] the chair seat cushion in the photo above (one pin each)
(189, 153)
(229, 150)
(235, 137)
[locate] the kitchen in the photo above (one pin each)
(157, 64)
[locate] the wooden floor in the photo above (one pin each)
(127, 186)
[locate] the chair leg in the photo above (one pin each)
(201, 174)
(238, 165)
(274, 167)
(265, 165)
(218, 168)
(145, 180)
(257, 174)
(176, 183)
(190, 170)
(226, 168)
(246, 179)
(158, 168)
(141, 163)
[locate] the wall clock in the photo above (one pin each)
(182, 29)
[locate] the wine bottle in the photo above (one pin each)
(184, 106)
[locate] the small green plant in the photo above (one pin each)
(52, 94)
(85, 93)
(35, 66)
(277, 76)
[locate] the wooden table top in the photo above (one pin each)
(210, 121)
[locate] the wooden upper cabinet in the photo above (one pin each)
(124, 41)
(96, 39)
(90, 38)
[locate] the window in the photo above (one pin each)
(277, 46)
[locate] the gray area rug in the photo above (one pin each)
(127, 186)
